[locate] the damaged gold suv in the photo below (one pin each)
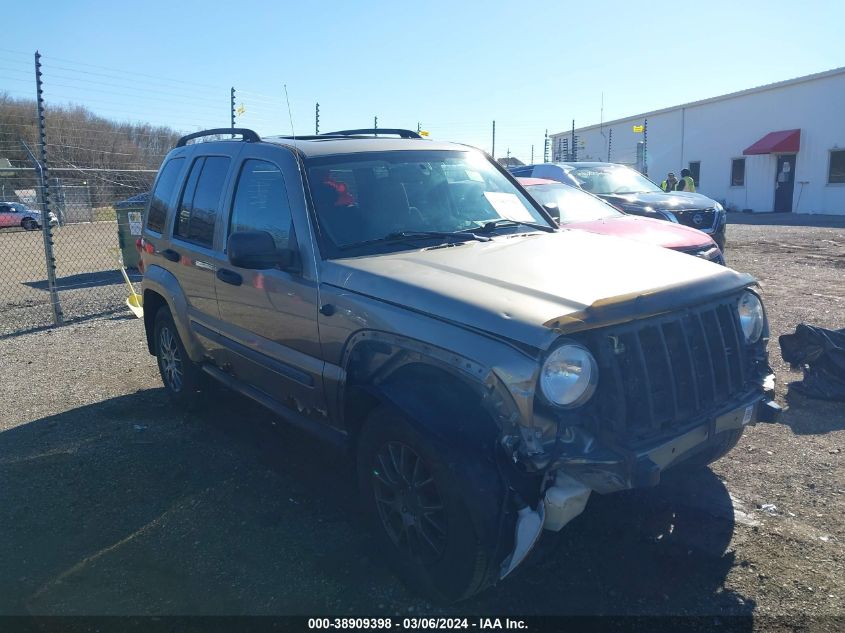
(407, 300)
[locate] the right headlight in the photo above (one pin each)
(751, 316)
(569, 376)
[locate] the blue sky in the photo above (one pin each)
(452, 66)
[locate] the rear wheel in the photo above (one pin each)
(414, 498)
(180, 375)
(29, 224)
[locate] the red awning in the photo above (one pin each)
(783, 141)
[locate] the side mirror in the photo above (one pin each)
(553, 210)
(256, 250)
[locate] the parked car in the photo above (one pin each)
(408, 301)
(629, 191)
(576, 209)
(17, 214)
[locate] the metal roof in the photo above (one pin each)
(773, 86)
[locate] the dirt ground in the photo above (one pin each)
(111, 502)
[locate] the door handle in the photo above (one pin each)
(172, 255)
(229, 276)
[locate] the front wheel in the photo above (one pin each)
(29, 224)
(413, 495)
(180, 375)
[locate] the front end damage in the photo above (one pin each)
(672, 384)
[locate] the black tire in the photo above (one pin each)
(29, 224)
(725, 443)
(181, 376)
(413, 495)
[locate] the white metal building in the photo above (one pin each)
(779, 147)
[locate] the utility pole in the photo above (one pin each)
(317, 119)
(609, 143)
(375, 122)
(532, 153)
(419, 127)
(494, 140)
(572, 152)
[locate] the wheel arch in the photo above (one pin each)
(162, 289)
(439, 390)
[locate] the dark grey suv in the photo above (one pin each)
(408, 301)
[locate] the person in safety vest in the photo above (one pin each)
(670, 183)
(686, 183)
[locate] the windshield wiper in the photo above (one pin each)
(404, 236)
(489, 227)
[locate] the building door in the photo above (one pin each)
(784, 183)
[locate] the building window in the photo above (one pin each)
(695, 172)
(836, 171)
(738, 172)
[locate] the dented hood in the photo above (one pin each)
(530, 287)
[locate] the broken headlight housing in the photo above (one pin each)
(751, 316)
(569, 375)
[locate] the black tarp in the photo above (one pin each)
(821, 354)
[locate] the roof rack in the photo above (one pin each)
(248, 135)
(375, 132)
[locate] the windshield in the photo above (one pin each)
(612, 179)
(574, 205)
(361, 199)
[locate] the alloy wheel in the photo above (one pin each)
(409, 503)
(170, 359)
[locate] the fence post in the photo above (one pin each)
(47, 238)
(232, 108)
(44, 185)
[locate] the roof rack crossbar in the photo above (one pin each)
(374, 131)
(248, 135)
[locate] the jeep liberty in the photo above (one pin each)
(408, 301)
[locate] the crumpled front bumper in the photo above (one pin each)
(609, 468)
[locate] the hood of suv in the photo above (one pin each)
(524, 286)
(658, 200)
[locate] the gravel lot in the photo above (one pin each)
(113, 503)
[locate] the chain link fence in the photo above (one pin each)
(77, 147)
(93, 221)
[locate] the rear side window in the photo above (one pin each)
(261, 202)
(200, 200)
(163, 194)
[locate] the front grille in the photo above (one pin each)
(711, 253)
(659, 375)
(696, 218)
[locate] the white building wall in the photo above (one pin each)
(717, 130)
